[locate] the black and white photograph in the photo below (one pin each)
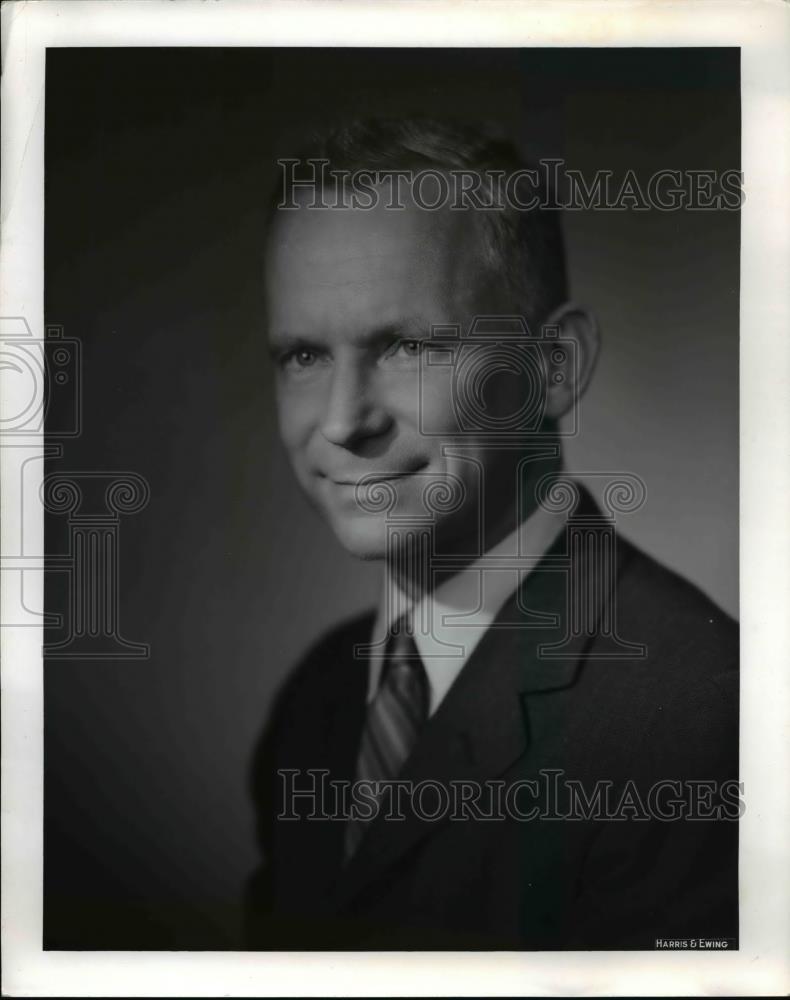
(384, 425)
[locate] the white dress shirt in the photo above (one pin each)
(450, 621)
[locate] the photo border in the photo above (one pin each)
(762, 30)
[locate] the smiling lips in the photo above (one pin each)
(371, 478)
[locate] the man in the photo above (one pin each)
(532, 743)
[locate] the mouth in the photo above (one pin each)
(371, 478)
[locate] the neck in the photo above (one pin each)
(418, 570)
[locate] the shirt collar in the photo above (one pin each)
(449, 622)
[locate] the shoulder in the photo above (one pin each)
(300, 703)
(329, 654)
(338, 640)
(672, 613)
(683, 692)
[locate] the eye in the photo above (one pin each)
(304, 357)
(405, 349)
(298, 359)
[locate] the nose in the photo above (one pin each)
(352, 412)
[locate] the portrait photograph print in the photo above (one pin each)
(395, 452)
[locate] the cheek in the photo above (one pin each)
(434, 404)
(296, 417)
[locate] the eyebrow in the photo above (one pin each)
(410, 327)
(282, 342)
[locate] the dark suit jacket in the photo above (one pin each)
(552, 693)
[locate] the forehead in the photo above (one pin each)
(343, 269)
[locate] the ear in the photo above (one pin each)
(570, 358)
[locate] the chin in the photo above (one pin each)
(362, 537)
(367, 536)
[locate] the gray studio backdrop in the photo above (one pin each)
(158, 166)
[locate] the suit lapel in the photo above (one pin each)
(347, 691)
(494, 708)
(328, 740)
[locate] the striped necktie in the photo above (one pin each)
(393, 723)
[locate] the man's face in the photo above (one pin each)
(352, 296)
